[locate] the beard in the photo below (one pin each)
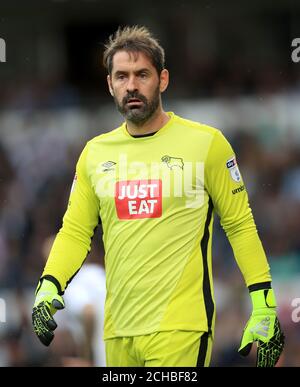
(140, 113)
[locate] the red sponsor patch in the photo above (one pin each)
(138, 199)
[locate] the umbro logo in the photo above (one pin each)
(262, 328)
(108, 166)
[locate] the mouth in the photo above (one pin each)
(134, 102)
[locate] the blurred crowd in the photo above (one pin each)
(273, 181)
(206, 78)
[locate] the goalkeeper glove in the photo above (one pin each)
(47, 302)
(264, 328)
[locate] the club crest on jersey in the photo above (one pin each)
(231, 164)
(173, 162)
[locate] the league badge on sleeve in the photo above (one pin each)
(231, 164)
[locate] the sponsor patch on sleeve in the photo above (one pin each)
(233, 168)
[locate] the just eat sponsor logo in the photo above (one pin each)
(138, 199)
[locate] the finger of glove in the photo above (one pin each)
(46, 338)
(58, 303)
(264, 359)
(43, 312)
(41, 329)
(269, 353)
(261, 358)
(267, 356)
(244, 351)
(246, 343)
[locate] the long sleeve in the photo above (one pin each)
(228, 193)
(73, 241)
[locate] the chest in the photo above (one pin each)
(143, 182)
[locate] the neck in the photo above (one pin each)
(155, 122)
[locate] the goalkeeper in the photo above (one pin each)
(155, 183)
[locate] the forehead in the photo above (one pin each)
(131, 61)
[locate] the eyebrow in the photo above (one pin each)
(143, 70)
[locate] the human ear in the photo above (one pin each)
(164, 80)
(110, 86)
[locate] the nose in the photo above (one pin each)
(132, 84)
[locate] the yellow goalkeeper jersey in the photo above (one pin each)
(155, 196)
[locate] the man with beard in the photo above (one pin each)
(154, 182)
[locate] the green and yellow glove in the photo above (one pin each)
(47, 302)
(264, 328)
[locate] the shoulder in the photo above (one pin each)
(98, 143)
(95, 146)
(197, 126)
(105, 137)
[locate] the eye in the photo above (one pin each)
(143, 75)
(120, 77)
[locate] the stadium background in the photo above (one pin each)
(231, 67)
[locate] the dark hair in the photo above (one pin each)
(134, 39)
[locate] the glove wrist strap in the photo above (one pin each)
(55, 282)
(264, 298)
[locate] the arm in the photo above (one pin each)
(230, 201)
(68, 252)
(227, 190)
